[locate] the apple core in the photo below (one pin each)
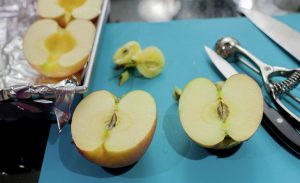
(222, 110)
(60, 43)
(58, 52)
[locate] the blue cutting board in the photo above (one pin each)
(172, 156)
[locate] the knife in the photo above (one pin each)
(284, 36)
(279, 127)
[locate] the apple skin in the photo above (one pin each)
(227, 143)
(63, 23)
(47, 80)
(61, 20)
(108, 159)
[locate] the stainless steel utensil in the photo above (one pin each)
(228, 47)
(282, 34)
(277, 124)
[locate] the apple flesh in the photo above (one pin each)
(150, 62)
(114, 133)
(223, 115)
(56, 52)
(63, 11)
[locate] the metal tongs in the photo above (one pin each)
(230, 49)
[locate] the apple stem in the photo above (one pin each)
(177, 93)
(112, 122)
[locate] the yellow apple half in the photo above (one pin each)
(56, 52)
(221, 116)
(65, 10)
(114, 133)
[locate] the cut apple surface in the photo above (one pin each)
(150, 62)
(223, 115)
(114, 133)
(124, 54)
(56, 52)
(65, 10)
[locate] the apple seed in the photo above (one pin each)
(112, 122)
(125, 51)
(223, 111)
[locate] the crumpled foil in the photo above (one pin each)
(17, 77)
(16, 70)
(15, 17)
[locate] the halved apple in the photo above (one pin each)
(65, 10)
(221, 116)
(56, 52)
(114, 133)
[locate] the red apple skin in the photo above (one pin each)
(108, 159)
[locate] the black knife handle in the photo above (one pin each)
(282, 129)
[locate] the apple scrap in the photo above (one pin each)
(176, 93)
(148, 62)
(114, 132)
(57, 52)
(221, 115)
(65, 11)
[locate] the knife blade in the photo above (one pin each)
(280, 33)
(276, 123)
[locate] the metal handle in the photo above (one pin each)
(229, 48)
(280, 127)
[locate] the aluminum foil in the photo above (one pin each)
(17, 78)
(15, 68)
(15, 17)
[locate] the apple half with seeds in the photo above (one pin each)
(63, 11)
(221, 116)
(57, 52)
(111, 132)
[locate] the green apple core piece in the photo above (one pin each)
(123, 56)
(148, 62)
